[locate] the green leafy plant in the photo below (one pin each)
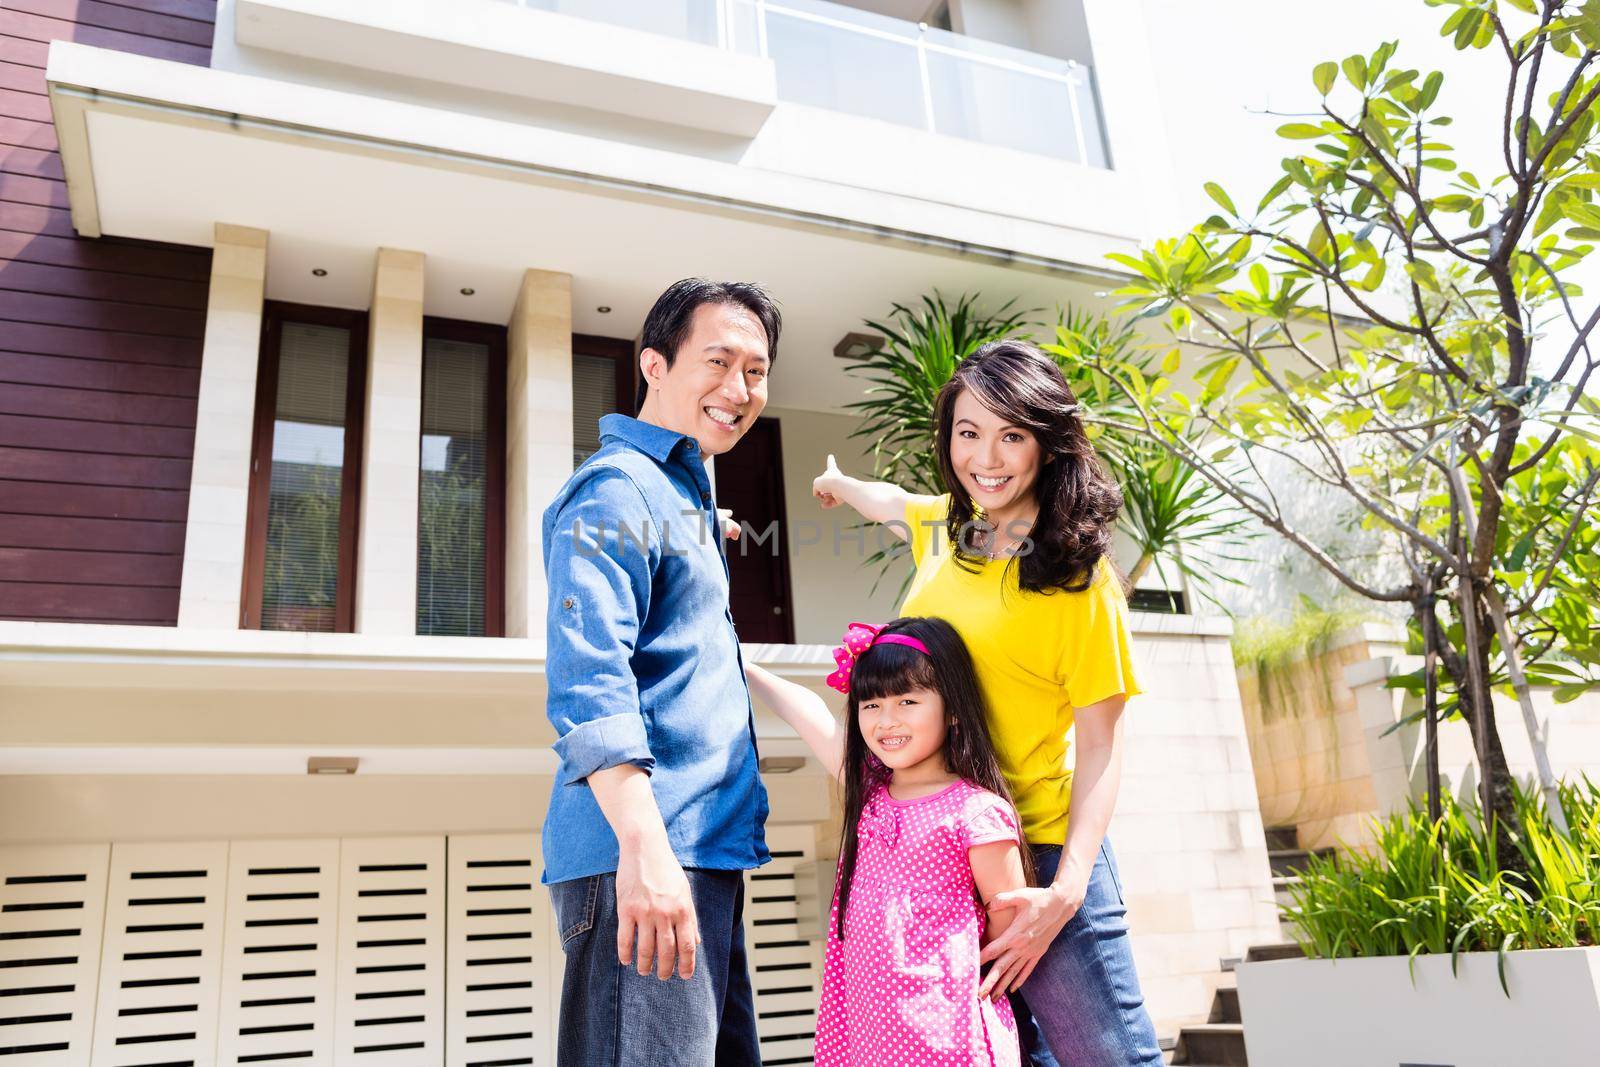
(1439, 886)
(1272, 650)
(1373, 322)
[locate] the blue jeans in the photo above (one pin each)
(1082, 1006)
(611, 1016)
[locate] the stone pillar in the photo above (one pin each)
(219, 481)
(538, 436)
(386, 557)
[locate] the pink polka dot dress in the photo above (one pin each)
(901, 989)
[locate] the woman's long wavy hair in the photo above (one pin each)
(1078, 501)
(890, 670)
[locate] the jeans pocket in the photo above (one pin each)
(1112, 876)
(575, 903)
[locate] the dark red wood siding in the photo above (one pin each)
(99, 348)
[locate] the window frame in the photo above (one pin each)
(623, 355)
(274, 314)
(494, 466)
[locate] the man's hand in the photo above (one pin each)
(730, 525)
(654, 906)
(829, 485)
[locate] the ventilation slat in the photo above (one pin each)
(785, 970)
(282, 921)
(390, 958)
(181, 889)
(503, 961)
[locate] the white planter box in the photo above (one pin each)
(1369, 1013)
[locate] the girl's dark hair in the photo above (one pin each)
(1078, 501)
(889, 670)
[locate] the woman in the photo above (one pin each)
(1015, 557)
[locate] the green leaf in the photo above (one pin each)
(1322, 76)
(1429, 91)
(1276, 191)
(1216, 193)
(1300, 131)
(1170, 364)
(1355, 68)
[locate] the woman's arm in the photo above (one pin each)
(1041, 913)
(805, 712)
(882, 502)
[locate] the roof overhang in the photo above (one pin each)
(163, 151)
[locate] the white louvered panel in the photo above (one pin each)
(391, 953)
(279, 954)
(783, 966)
(162, 958)
(498, 966)
(52, 902)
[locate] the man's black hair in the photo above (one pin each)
(669, 322)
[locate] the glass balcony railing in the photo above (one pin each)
(840, 58)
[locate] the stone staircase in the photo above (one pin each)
(1219, 1041)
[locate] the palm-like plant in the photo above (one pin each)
(1180, 523)
(919, 352)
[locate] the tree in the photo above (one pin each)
(1380, 321)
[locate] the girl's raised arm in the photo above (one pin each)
(805, 712)
(882, 502)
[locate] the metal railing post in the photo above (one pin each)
(922, 71)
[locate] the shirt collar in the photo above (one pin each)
(654, 441)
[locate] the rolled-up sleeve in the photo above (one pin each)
(598, 550)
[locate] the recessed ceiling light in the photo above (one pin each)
(604, 309)
(332, 765)
(467, 290)
(318, 272)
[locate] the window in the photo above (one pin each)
(461, 481)
(300, 547)
(603, 374)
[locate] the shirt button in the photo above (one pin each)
(567, 603)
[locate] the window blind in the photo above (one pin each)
(594, 393)
(299, 587)
(453, 504)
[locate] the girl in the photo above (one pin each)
(929, 838)
(1032, 592)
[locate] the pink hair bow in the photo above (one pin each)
(858, 637)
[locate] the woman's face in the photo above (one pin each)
(997, 463)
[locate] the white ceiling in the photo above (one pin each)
(329, 207)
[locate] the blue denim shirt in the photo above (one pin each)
(642, 660)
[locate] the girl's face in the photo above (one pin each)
(998, 463)
(904, 730)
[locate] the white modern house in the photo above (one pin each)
(427, 234)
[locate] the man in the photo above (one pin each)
(657, 809)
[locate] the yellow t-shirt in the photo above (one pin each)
(1038, 657)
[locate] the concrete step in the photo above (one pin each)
(1282, 837)
(1286, 862)
(1225, 1006)
(1212, 1044)
(1283, 950)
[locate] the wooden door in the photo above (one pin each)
(750, 482)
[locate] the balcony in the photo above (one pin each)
(831, 56)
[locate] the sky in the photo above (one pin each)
(1232, 71)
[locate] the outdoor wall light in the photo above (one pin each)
(780, 764)
(332, 765)
(318, 272)
(467, 290)
(854, 345)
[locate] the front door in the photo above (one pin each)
(750, 484)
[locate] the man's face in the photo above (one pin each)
(717, 385)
